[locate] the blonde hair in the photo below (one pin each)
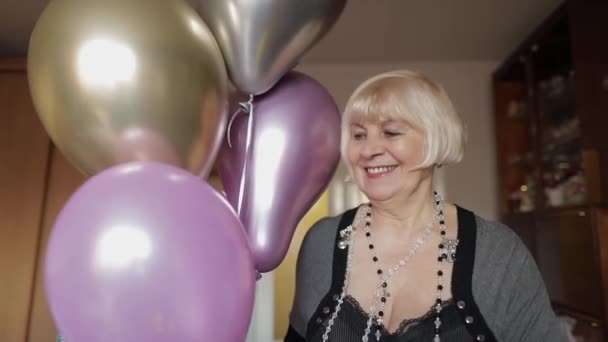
(411, 97)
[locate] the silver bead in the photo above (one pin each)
(481, 338)
(342, 244)
(437, 322)
(326, 310)
(469, 319)
(461, 304)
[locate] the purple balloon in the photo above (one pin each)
(294, 152)
(149, 252)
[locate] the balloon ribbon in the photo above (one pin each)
(244, 108)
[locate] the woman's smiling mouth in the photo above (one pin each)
(379, 170)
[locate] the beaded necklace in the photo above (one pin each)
(447, 250)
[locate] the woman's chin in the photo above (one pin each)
(379, 196)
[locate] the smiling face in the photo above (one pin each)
(396, 127)
(384, 155)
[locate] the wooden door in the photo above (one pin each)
(24, 150)
(64, 179)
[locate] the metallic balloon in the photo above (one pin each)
(294, 152)
(145, 251)
(261, 40)
(102, 71)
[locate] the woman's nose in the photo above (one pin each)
(372, 147)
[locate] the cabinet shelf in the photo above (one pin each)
(580, 210)
(520, 117)
(564, 144)
(520, 160)
(574, 209)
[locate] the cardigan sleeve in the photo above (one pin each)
(530, 315)
(510, 290)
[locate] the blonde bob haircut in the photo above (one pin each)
(411, 97)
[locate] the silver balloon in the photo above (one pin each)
(263, 39)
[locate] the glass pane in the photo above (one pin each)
(516, 135)
(562, 172)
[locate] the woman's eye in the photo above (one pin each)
(358, 136)
(391, 133)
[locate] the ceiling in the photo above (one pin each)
(372, 31)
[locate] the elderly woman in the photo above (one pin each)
(408, 266)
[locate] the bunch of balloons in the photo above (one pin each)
(147, 97)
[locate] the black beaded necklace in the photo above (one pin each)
(382, 292)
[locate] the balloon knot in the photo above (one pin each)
(245, 108)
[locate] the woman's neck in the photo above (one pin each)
(405, 215)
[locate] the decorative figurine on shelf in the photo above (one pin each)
(575, 190)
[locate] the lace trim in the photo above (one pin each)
(406, 323)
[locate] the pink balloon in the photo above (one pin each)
(149, 252)
(294, 152)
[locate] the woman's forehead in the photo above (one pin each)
(374, 120)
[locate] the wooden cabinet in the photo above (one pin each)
(551, 105)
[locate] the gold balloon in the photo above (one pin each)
(124, 80)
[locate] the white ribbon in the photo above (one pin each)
(244, 108)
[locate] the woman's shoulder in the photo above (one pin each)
(485, 239)
(493, 249)
(497, 240)
(501, 259)
(324, 228)
(323, 231)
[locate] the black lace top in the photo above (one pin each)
(351, 321)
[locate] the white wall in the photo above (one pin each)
(472, 183)
(261, 328)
